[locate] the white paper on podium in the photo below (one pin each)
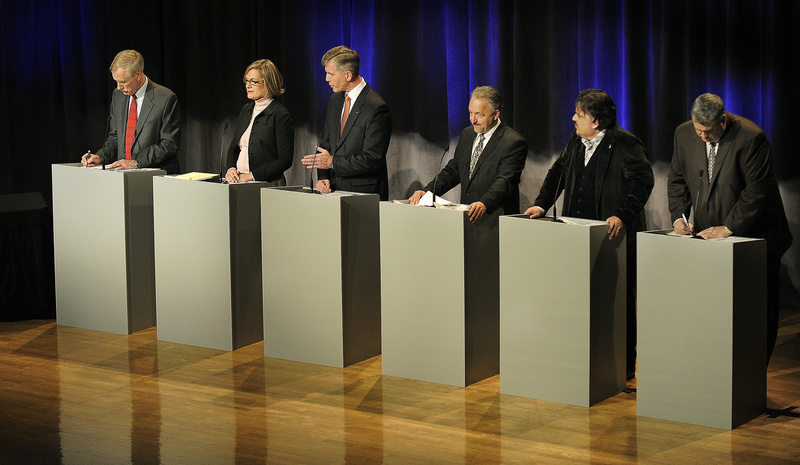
(732, 239)
(428, 200)
(195, 176)
(580, 221)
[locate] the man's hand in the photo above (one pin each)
(714, 232)
(122, 165)
(322, 159)
(414, 199)
(682, 228)
(90, 159)
(615, 227)
(324, 186)
(534, 212)
(476, 211)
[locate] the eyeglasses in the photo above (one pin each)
(251, 82)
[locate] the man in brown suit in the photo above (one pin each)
(723, 163)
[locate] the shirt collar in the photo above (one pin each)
(140, 93)
(356, 91)
(595, 141)
(488, 134)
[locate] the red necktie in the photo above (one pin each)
(131, 128)
(345, 112)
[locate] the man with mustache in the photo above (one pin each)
(488, 160)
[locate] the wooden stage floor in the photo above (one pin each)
(77, 396)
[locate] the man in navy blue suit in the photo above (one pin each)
(352, 152)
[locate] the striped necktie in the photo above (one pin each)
(712, 154)
(475, 155)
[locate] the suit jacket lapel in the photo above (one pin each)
(265, 113)
(334, 116)
(603, 154)
(355, 111)
(144, 113)
(487, 150)
(718, 159)
(723, 147)
(701, 166)
(123, 105)
(242, 124)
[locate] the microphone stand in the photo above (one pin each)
(697, 200)
(436, 178)
(556, 219)
(105, 138)
(313, 166)
(221, 153)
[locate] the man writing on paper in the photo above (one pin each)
(723, 162)
(352, 152)
(144, 125)
(605, 176)
(488, 160)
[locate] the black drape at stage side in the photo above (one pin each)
(424, 57)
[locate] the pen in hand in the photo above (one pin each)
(686, 222)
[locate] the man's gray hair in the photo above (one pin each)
(491, 94)
(344, 59)
(708, 109)
(128, 60)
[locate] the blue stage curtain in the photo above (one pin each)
(653, 56)
(424, 57)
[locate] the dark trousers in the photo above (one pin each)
(630, 347)
(773, 304)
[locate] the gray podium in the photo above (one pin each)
(321, 276)
(562, 310)
(439, 288)
(702, 329)
(103, 239)
(208, 262)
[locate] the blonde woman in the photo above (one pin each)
(263, 141)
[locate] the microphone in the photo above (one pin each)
(222, 152)
(697, 199)
(436, 178)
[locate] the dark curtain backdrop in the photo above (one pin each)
(654, 57)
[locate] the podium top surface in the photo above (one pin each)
(150, 171)
(726, 240)
(213, 182)
(567, 220)
(307, 190)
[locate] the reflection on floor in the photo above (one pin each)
(70, 395)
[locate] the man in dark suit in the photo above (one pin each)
(144, 126)
(605, 176)
(723, 162)
(358, 126)
(488, 160)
